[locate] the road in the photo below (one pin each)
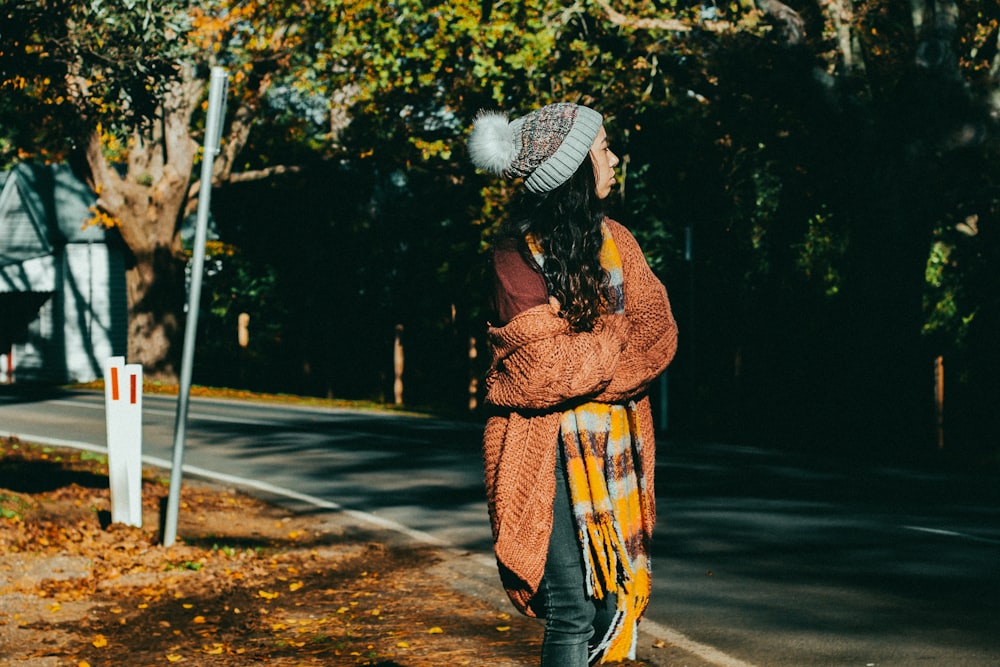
(761, 557)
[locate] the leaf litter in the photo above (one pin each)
(246, 583)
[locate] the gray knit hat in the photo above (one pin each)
(545, 147)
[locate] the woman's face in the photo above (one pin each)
(605, 162)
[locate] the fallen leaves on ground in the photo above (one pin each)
(246, 583)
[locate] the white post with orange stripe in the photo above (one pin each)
(123, 398)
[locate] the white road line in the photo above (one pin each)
(707, 653)
(315, 501)
(951, 533)
(195, 416)
(173, 413)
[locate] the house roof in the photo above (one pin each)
(43, 207)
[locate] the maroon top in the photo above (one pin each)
(518, 286)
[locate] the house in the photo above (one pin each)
(63, 302)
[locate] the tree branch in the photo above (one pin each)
(792, 27)
(840, 13)
(618, 18)
(241, 177)
(260, 174)
(239, 132)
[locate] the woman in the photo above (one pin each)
(582, 327)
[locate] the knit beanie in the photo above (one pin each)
(545, 147)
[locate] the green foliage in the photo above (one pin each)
(185, 565)
(949, 313)
(821, 253)
(765, 199)
(819, 181)
(233, 552)
(236, 285)
(94, 456)
(12, 506)
(66, 65)
(6, 153)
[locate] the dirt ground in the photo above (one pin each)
(246, 583)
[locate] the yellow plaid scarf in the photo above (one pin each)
(601, 444)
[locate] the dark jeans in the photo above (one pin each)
(572, 619)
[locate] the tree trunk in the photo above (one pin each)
(155, 285)
(147, 204)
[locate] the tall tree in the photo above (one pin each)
(817, 150)
(853, 139)
(118, 89)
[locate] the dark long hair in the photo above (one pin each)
(566, 223)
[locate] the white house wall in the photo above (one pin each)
(33, 275)
(82, 325)
(90, 309)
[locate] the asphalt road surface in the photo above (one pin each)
(760, 558)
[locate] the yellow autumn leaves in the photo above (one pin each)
(319, 595)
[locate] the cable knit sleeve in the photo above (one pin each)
(652, 340)
(539, 363)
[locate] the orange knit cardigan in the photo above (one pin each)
(540, 367)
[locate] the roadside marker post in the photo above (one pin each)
(123, 401)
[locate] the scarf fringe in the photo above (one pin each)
(607, 562)
(629, 584)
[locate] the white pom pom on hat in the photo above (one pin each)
(545, 147)
(491, 144)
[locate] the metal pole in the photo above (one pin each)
(213, 133)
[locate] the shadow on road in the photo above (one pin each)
(817, 546)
